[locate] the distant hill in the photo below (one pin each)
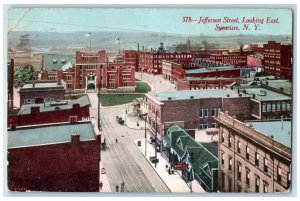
(129, 40)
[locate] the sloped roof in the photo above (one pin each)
(54, 105)
(56, 61)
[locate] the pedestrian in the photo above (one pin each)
(116, 140)
(169, 170)
(122, 186)
(172, 170)
(101, 185)
(117, 188)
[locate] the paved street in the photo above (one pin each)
(122, 160)
(157, 83)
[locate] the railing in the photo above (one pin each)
(254, 135)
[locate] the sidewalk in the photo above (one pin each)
(173, 181)
(134, 122)
(103, 177)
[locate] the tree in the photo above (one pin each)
(24, 73)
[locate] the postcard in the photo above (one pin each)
(192, 100)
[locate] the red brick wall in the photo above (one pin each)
(36, 117)
(72, 167)
(41, 93)
(237, 106)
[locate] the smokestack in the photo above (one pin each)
(281, 122)
(138, 47)
(143, 48)
(241, 49)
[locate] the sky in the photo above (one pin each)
(167, 20)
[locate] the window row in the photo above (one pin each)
(203, 112)
(276, 106)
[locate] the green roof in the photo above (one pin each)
(56, 62)
(265, 94)
(196, 94)
(211, 69)
(49, 134)
(194, 153)
(55, 105)
(286, 85)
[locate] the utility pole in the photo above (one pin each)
(155, 136)
(145, 116)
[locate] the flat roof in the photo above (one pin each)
(209, 78)
(49, 134)
(198, 94)
(41, 85)
(55, 105)
(265, 94)
(286, 85)
(282, 131)
(211, 69)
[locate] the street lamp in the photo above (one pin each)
(145, 116)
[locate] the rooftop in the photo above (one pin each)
(265, 94)
(211, 69)
(208, 78)
(281, 131)
(49, 134)
(196, 94)
(42, 85)
(55, 105)
(56, 62)
(286, 85)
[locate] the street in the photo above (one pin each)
(122, 159)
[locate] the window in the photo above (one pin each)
(266, 166)
(111, 85)
(230, 141)
(200, 126)
(205, 126)
(278, 106)
(288, 106)
(278, 174)
(273, 107)
(230, 164)
(111, 77)
(264, 107)
(257, 184)
(247, 153)
(256, 159)
(269, 107)
(222, 158)
(205, 112)
(239, 173)
(266, 187)
(214, 111)
(223, 138)
(283, 106)
(229, 185)
(69, 77)
(239, 147)
(52, 78)
(201, 112)
(213, 125)
(248, 178)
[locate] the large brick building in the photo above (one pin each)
(278, 59)
(254, 157)
(51, 112)
(230, 59)
(151, 62)
(54, 157)
(196, 108)
(92, 71)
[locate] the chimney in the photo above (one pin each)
(253, 96)
(13, 126)
(281, 122)
(143, 48)
(75, 138)
(72, 119)
(192, 97)
(138, 47)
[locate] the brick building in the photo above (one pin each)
(54, 157)
(191, 83)
(39, 92)
(196, 108)
(255, 60)
(254, 157)
(220, 71)
(278, 59)
(89, 69)
(131, 56)
(51, 112)
(151, 62)
(230, 59)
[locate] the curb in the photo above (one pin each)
(154, 169)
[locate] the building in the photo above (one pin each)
(220, 71)
(54, 157)
(267, 104)
(51, 112)
(131, 56)
(40, 92)
(193, 109)
(201, 165)
(193, 83)
(151, 62)
(89, 69)
(255, 60)
(254, 157)
(278, 59)
(239, 60)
